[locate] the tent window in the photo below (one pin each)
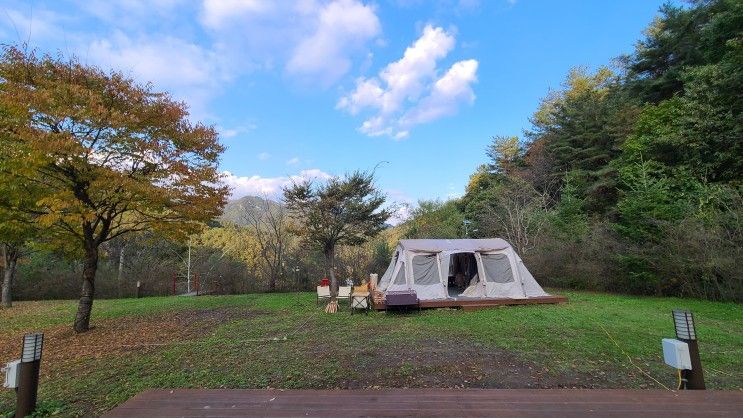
(497, 268)
(425, 270)
(400, 278)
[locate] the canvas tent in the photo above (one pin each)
(489, 268)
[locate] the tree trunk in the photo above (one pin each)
(330, 261)
(272, 280)
(8, 274)
(82, 318)
(120, 276)
(10, 261)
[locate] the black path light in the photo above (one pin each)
(683, 352)
(683, 321)
(23, 374)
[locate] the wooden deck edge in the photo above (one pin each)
(468, 305)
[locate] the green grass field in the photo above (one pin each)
(285, 341)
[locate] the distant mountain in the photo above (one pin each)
(236, 210)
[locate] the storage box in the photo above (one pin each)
(676, 354)
(11, 374)
(402, 298)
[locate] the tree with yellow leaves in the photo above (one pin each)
(107, 155)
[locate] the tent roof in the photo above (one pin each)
(436, 245)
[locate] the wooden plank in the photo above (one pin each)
(431, 402)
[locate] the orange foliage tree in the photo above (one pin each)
(106, 155)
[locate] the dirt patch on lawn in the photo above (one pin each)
(461, 363)
(115, 336)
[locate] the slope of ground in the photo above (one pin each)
(285, 341)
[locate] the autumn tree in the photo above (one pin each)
(269, 225)
(505, 153)
(345, 210)
(16, 203)
(109, 156)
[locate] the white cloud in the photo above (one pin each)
(407, 92)
(446, 95)
(264, 156)
(316, 41)
(237, 130)
(161, 41)
(217, 13)
(343, 27)
(189, 71)
(402, 206)
(268, 186)
(33, 26)
(165, 61)
(292, 161)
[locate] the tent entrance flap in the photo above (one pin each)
(462, 268)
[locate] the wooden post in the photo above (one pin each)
(28, 374)
(695, 376)
(686, 331)
(139, 289)
(28, 387)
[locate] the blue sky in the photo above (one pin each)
(312, 88)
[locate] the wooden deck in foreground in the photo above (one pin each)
(474, 304)
(432, 402)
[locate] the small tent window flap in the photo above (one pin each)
(497, 268)
(400, 278)
(425, 270)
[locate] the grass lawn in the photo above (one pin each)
(285, 341)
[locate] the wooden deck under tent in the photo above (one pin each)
(471, 304)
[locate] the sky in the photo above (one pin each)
(413, 89)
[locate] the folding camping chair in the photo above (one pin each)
(323, 293)
(360, 299)
(344, 294)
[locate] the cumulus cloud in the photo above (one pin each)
(342, 27)
(159, 41)
(187, 70)
(313, 40)
(264, 156)
(408, 92)
(452, 89)
(167, 61)
(268, 186)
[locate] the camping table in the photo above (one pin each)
(403, 299)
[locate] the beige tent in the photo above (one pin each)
(459, 268)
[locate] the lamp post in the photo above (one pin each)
(683, 322)
(28, 374)
(466, 222)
